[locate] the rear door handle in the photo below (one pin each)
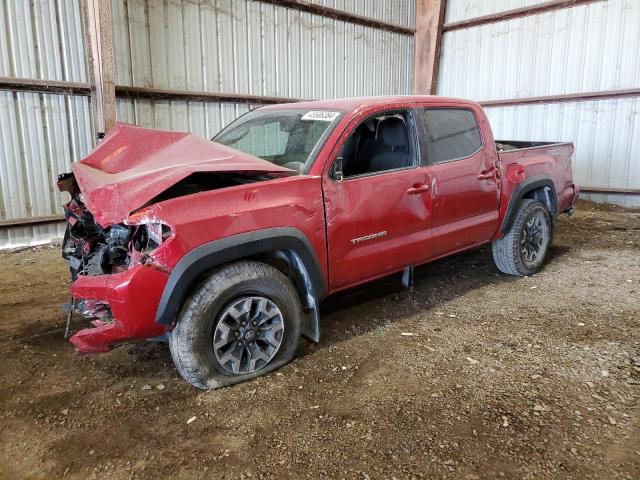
(418, 188)
(487, 174)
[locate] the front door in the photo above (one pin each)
(464, 190)
(376, 201)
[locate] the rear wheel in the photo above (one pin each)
(523, 250)
(241, 322)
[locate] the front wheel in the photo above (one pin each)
(241, 322)
(523, 250)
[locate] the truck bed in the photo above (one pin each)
(537, 160)
(510, 145)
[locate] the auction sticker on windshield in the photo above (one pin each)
(320, 115)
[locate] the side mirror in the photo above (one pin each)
(338, 174)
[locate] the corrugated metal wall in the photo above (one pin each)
(251, 47)
(458, 10)
(398, 12)
(587, 48)
(40, 134)
(229, 46)
(582, 49)
(606, 134)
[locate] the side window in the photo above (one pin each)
(448, 134)
(380, 143)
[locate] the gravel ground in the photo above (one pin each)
(469, 375)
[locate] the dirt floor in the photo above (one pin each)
(470, 375)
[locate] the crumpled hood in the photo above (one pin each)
(132, 165)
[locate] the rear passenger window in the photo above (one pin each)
(448, 134)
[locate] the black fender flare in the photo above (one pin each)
(538, 183)
(291, 245)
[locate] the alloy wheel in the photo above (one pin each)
(248, 334)
(533, 239)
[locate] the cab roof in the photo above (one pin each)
(351, 104)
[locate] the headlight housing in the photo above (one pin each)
(149, 236)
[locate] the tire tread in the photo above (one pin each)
(185, 334)
(506, 254)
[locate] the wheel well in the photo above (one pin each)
(290, 264)
(277, 259)
(545, 195)
(281, 260)
(295, 251)
(537, 188)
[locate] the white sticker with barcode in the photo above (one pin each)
(320, 115)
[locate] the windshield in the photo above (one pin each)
(290, 138)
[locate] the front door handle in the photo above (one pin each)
(418, 188)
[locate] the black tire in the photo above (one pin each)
(192, 339)
(513, 253)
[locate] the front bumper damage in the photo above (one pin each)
(122, 306)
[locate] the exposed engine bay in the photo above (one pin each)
(90, 249)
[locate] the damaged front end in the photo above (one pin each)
(107, 266)
(118, 253)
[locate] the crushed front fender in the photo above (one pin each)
(132, 297)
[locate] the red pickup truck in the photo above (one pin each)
(225, 248)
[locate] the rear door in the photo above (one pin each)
(464, 186)
(376, 201)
